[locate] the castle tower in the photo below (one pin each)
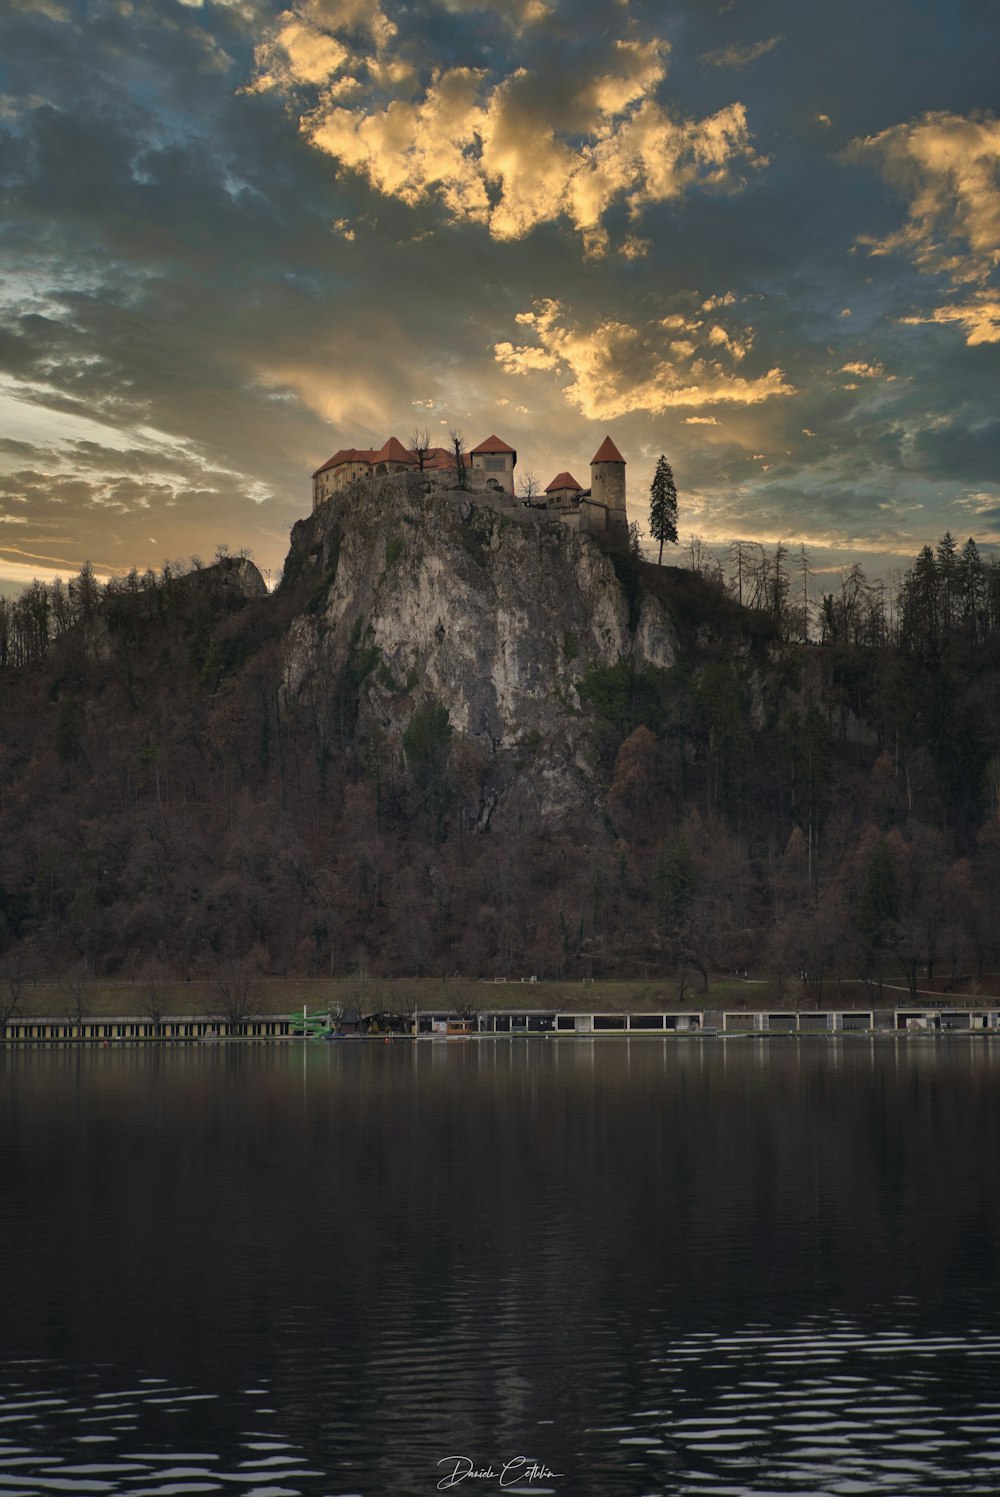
(607, 487)
(498, 459)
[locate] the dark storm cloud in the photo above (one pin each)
(956, 450)
(203, 305)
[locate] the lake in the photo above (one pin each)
(634, 1267)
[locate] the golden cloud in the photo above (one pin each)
(510, 154)
(736, 344)
(948, 167)
(979, 317)
(365, 17)
(311, 56)
(355, 400)
(865, 370)
(408, 146)
(614, 368)
(304, 48)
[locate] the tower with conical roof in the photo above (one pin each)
(606, 509)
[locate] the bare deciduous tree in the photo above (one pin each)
(236, 990)
(77, 996)
(12, 980)
(458, 445)
(406, 1005)
(156, 997)
(420, 443)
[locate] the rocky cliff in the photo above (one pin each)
(427, 595)
(459, 738)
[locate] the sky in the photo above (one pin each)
(759, 236)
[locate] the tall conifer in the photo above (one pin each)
(663, 505)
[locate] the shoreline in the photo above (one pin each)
(937, 1018)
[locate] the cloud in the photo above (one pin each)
(955, 448)
(50, 9)
(511, 152)
(615, 368)
(304, 47)
(864, 370)
(984, 505)
(410, 148)
(739, 54)
(979, 317)
(517, 13)
(87, 502)
(634, 248)
(948, 167)
(177, 256)
(736, 344)
(301, 53)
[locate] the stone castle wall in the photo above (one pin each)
(593, 515)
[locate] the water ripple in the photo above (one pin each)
(883, 1419)
(45, 1460)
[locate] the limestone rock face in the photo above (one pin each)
(240, 574)
(437, 595)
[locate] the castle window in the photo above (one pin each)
(496, 465)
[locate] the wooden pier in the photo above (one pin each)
(497, 1024)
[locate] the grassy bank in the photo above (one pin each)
(54, 999)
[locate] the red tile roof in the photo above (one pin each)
(393, 451)
(346, 455)
(607, 453)
(563, 481)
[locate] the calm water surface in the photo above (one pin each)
(645, 1267)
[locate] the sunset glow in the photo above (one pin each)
(237, 237)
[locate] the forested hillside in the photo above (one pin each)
(651, 777)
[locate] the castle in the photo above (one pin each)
(489, 470)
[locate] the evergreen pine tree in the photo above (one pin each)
(663, 505)
(972, 591)
(947, 574)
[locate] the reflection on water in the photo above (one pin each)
(80, 1439)
(649, 1267)
(828, 1408)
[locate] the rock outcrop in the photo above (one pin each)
(432, 595)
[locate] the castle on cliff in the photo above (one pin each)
(489, 472)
